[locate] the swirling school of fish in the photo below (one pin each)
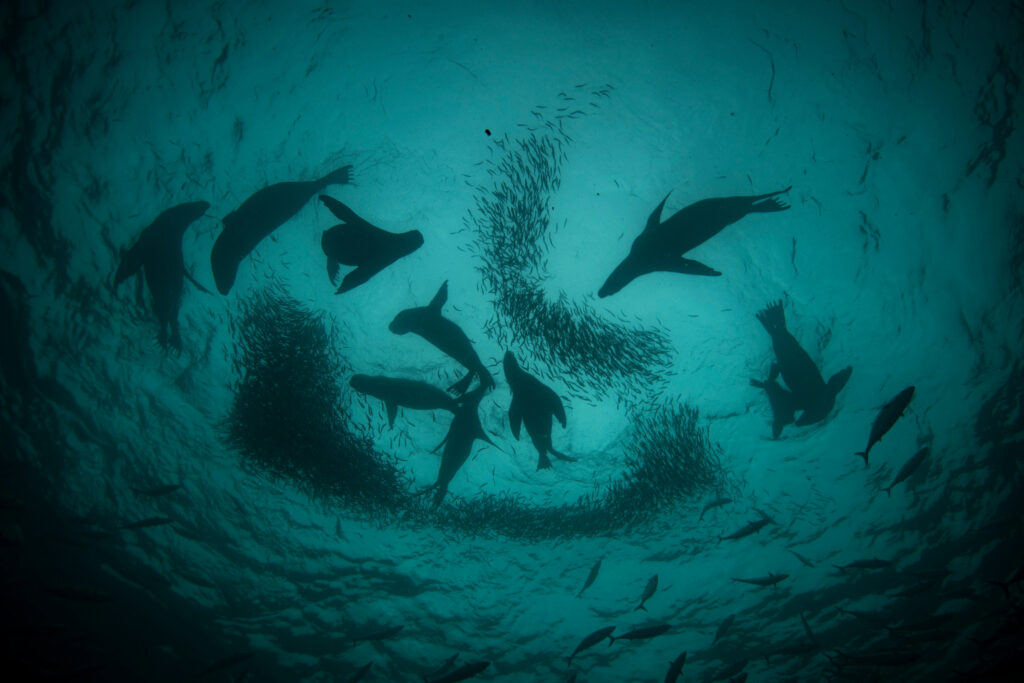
(512, 224)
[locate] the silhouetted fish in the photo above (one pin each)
(590, 641)
(652, 585)
(462, 673)
(591, 576)
(887, 417)
(764, 581)
(908, 469)
(675, 669)
(751, 528)
(641, 633)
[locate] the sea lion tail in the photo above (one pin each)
(543, 462)
(342, 176)
(773, 317)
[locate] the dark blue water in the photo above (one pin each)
(193, 487)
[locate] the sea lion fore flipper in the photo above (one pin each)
(515, 417)
(340, 211)
(437, 303)
(654, 220)
(191, 279)
(690, 267)
(332, 269)
(837, 381)
(357, 277)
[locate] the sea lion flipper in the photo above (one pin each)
(357, 277)
(515, 418)
(837, 381)
(561, 456)
(691, 267)
(332, 269)
(459, 388)
(437, 303)
(392, 408)
(340, 211)
(191, 279)
(131, 263)
(654, 220)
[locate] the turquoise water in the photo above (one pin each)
(231, 508)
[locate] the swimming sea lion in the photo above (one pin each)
(808, 390)
(533, 404)
(257, 217)
(357, 243)
(427, 322)
(157, 253)
(660, 247)
(407, 393)
(458, 443)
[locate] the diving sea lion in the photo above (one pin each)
(357, 243)
(427, 322)
(780, 399)
(458, 443)
(257, 217)
(533, 404)
(808, 390)
(660, 247)
(407, 393)
(157, 253)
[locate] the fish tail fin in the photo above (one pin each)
(863, 454)
(639, 607)
(611, 639)
(841, 570)
(888, 491)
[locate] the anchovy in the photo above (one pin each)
(864, 564)
(652, 585)
(591, 577)
(887, 417)
(752, 528)
(764, 581)
(717, 502)
(908, 469)
(590, 641)
(641, 633)
(675, 669)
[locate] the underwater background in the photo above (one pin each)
(230, 508)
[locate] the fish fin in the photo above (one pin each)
(332, 269)
(841, 570)
(611, 639)
(639, 607)
(437, 303)
(863, 454)
(459, 388)
(392, 411)
(773, 373)
(340, 211)
(515, 418)
(888, 491)
(191, 279)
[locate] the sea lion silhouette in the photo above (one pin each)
(257, 217)
(157, 253)
(357, 243)
(533, 404)
(458, 443)
(408, 393)
(427, 322)
(808, 392)
(661, 245)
